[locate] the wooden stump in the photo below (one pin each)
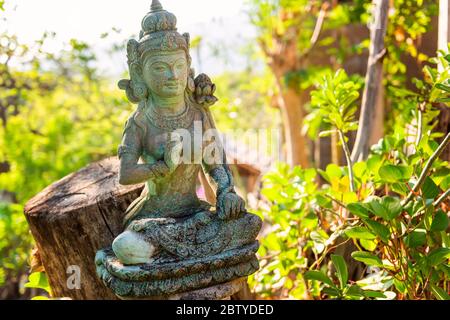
(72, 219)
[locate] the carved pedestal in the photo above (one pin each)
(222, 291)
(209, 278)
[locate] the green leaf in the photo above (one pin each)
(341, 269)
(428, 217)
(369, 245)
(332, 292)
(378, 209)
(38, 280)
(354, 291)
(319, 276)
(393, 207)
(439, 293)
(438, 256)
(334, 171)
(443, 87)
(429, 189)
(416, 238)
(440, 221)
(379, 229)
(374, 294)
(367, 258)
(360, 233)
(394, 173)
(387, 208)
(359, 169)
(374, 163)
(358, 209)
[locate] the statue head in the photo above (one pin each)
(159, 62)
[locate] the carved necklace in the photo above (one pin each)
(164, 122)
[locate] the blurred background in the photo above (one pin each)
(61, 109)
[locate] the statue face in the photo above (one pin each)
(166, 73)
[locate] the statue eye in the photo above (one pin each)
(158, 68)
(179, 66)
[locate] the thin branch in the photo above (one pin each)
(427, 169)
(319, 23)
(317, 29)
(335, 200)
(442, 198)
(349, 160)
(419, 134)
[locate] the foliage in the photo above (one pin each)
(243, 101)
(38, 280)
(396, 216)
(57, 115)
(408, 24)
(336, 101)
(15, 242)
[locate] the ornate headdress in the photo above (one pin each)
(158, 33)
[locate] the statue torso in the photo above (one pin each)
(175, 195)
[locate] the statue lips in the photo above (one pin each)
(172, 85)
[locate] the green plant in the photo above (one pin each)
(15, 243)
(392, 207)
(38, 280)
(342, 290)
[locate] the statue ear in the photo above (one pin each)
(135, 87)
(138, 85)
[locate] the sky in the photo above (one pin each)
(223, 26)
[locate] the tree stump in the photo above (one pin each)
(72, 219)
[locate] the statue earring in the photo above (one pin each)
(191, 84)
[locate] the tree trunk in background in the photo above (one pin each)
(373, 81)
(378, 122)
(291, 105)
(283, 59)
(72, 219)
(443, 40)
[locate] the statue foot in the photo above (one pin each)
(131, 248)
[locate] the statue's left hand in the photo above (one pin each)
(204, 91)
(230, 206)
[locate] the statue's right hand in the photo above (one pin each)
(160, 169)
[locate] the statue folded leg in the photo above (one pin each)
(199, 235)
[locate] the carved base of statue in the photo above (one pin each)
(171, 279)
(223, 291)
(190, 253)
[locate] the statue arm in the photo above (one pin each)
(219, 172)
(229, 204)
(131, 172)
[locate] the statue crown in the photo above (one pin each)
(158, 20)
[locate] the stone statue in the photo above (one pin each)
(173, 242)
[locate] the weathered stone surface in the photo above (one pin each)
(221, 291)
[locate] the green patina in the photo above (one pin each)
(173, 242)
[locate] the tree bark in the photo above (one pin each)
(291, 104)
(373, 81)
(72, 219)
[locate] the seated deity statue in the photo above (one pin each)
(173, 242)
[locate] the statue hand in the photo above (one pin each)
(160, 169)
(230, 206)
(204, 90)
(172, 155)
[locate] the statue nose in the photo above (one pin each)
(173, 75)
